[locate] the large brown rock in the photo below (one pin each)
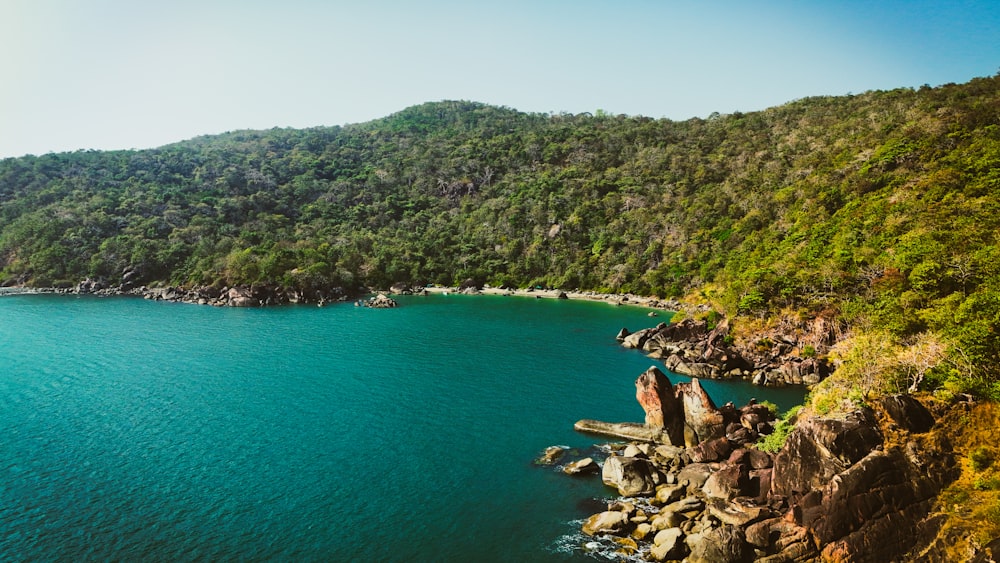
(861, 499)
(632, 476)
(908, 413)
(242, 297)
(726, 483)
(668, 544)
(738, 514)
(608, 522)
(381, 301)
(711, 450)
(725, 544)
(663, 410)
(873, 510)
(820, 448)
(585, 465)
(702, 419)
(637, 339)
(695, 475)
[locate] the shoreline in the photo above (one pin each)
(615, 299)
(243, 296)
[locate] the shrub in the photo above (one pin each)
(981, 458)
(774, 441)
(983, 483)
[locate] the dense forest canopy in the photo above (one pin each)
(880, 209)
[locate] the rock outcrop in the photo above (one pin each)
(381, 301)
(820, 448)
(683, 415)
(856, 486)
(257, 295)
(690, 348)
(659, 400)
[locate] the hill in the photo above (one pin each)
(877, 212)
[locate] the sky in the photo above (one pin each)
(133, 74)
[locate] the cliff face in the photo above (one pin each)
(863, 484)
(857, 486)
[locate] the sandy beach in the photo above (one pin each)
(611, 298)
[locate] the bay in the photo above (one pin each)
(137, 430)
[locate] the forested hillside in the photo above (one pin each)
(879, 210)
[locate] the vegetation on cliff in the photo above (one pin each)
(877, 212)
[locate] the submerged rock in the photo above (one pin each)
(585, 465)
(551, 455)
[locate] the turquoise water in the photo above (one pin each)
(134, 430)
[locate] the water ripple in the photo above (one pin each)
(149, 431)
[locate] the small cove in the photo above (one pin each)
(143, 430)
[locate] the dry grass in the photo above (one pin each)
(971, 505)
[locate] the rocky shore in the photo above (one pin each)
(695, 487)
(236, 296)
(265, 295)
(691, 348)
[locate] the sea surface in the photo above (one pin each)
(133, 430)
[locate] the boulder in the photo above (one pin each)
(726, 483)
(400, 288)
(381, 301)
(759, 459)
(607, 522)
(712, 450)
(642, 530)
(819, 448)
(687, 505)
(759, 485)
(656, 395)
(736, 513)
(667, 452)
(585, 465)
(724, 544)
(241, 297)
(550, 455)
(632, 476)
(637, 339)
(666, 494)
(668, 544)
(908, 413)
(665, 520)
(792, 541)
(633, 450)
(702, 419)
(695, 474)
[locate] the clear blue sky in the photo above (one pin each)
(118, 74)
